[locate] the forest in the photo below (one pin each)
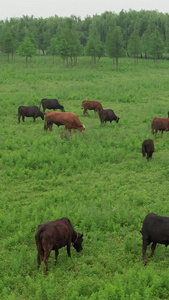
(138, 34)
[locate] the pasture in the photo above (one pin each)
(98, 179)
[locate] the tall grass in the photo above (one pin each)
(97, 179)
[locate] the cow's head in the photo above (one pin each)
(42, 115)
(117, 119)
(83, 128)
(62, 108)
(77, 244)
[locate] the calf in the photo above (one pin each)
(91, 105)
(29, 111)
(53, 236)
(155, 230)
(51, 104)
(148, 148)
(108, 115)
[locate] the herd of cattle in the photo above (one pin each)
(59, 233)
(71, 121)
(68, 119)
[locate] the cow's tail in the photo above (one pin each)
(38, 238)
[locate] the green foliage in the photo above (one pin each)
(156, 44)
(134, 44)
(98, 179)
(114, 42)
(27, 47)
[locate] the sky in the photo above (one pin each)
(79, 8)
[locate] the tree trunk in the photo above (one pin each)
(117, 63)
(92, 60)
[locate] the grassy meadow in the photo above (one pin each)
(98, 179)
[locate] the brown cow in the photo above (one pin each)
(91, 105)
(53, 236)
(69, 119)
(161, 124)
(148, 148)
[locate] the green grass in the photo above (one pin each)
(98, 179)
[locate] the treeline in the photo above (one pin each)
(137, 34)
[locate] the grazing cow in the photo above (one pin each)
(51, 104)
(148, 148)
(49, 120)
(155, 230)
(108, 115)
(53, 236)
(29, 111)
(91, 105)
(161, 124)
(69, 119)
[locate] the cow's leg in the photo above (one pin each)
(68, 249)
(38, 261)
(85, 111)
(23, 118)
(145, 243)
(46, 257)
(47, 250)
(19, 116)
(143, 151)
(56, 255)
(50, 127)
(153, 246)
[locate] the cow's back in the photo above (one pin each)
(156, 228)
(59, 230)
(160, 124)
(90, 104)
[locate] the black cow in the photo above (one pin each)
(51, 104)
(53, 236)
(29, 111)
(148, 148)
(155, 230)
(108, 115)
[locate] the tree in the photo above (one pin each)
(156, 45)
(27, 48)
(145, 43)
(114, 44)
(134, 45)
(8, 40)
(94, 47)
(53, 48)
